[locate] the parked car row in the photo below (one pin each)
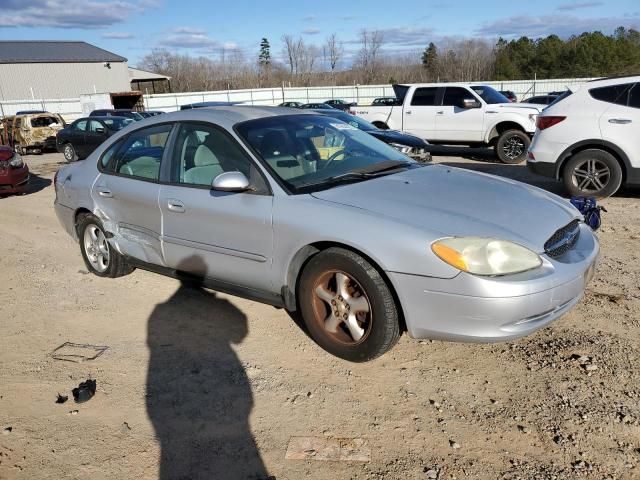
(322, 219)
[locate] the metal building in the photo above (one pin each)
(34, 70)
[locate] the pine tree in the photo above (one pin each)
(264, 58)
(430, 57)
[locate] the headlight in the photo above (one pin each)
(403, 148)
(16, 161)
(485, 256)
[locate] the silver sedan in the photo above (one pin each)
(305, 212)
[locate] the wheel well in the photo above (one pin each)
(302, 257)
(502, 127)
(591, 146)
(381, 125)
(79, 212)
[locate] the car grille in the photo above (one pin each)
(563, 239)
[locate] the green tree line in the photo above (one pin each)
(591, 54)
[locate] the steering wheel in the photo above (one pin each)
(353, 153)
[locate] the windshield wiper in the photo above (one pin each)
(371, 171)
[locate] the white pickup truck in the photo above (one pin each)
(459, 114)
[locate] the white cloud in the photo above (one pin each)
(561, 25)
(118, 35)
(85, 14)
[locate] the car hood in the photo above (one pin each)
(393, 136)
(447, 201)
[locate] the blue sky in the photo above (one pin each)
(199, 27)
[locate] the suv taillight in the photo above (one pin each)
(546, 122)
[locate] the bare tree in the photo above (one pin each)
(368, 56)
(332, 52)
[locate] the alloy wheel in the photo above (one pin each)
(341, 307)
(513, 147)
(96, 248)
(591, 175)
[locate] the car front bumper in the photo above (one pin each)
(489, 309)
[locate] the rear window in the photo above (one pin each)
(612, 94)
(424, 96)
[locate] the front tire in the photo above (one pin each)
(512, 146)
(347, 306)
(69, 153)
(99, 256)
(592, 173)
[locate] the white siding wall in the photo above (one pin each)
(27, 81)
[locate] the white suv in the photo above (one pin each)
(590, 137)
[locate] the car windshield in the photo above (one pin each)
(489, 95)
(314, 152)
(116, 124)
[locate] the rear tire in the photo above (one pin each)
(592, 173)
(512, 146)
(347, 306)
(99, 256)
(69, 153)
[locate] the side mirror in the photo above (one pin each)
(470, 103)
(231, 182)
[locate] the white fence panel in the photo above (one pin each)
(70, 108)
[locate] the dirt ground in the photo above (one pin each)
(196, 384)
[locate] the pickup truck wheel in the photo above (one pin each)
(99, 256)
(592, 173)
(69, 153)
(347, 306)
(512, 146)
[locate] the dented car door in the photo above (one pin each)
(126, 192)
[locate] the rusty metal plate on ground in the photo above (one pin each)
(78, 352)
(328, 449)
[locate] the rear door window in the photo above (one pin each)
(80, 125)
(424, 96)
(142, 151)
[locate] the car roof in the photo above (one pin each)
(605, 82)
(447, 84)
(226, 116)
(103, 117)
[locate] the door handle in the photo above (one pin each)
(105, 192)
(619, 120)
(175, 205)
(441, 112)
(408, 112)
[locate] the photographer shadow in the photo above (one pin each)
(198, 395)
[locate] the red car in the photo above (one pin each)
(14, 173)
